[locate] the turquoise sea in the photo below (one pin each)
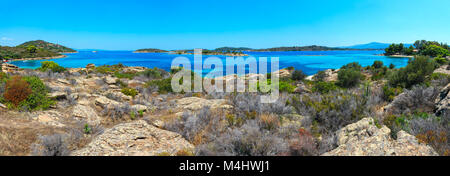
(309, 61)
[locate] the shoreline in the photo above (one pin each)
(396, 56)
(41, 58)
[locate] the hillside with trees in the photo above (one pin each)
(421, 47)
(33, 49)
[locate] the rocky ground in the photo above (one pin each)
(88, 98)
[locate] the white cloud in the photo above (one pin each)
(6, 39)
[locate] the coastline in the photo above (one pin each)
(41, 58)
(396, 56)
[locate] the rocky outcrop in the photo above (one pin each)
(443, 101)
(5, 67)
(445, 69)
(134, 139)
(195, 103)
(330, 75)
(87, 114)
(364, 138)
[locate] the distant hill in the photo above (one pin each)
(150, 50)
(33, 49)
(231, 49)
(304, 48)
(373, 45)
(40, 44)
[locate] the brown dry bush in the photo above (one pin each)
(16, 90)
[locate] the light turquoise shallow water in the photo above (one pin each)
(309, 61)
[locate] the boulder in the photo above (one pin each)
(119, 96)
(105, 102)
(50, 118)
(110, 80)
(134, 139)
(364, 138)
(445, 69)
(90, 66)
(58, 95)
(443, 101)
(139, 107)
(301, 88)
(86, 113)
(2, 106)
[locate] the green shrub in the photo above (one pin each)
(298, 75)
(349, 77)
(124, 75)
(441, 60)
(377, 64)
(103, 70)
(323, 87)
(38, 99)
(320, 76)
(129, 92)
(164, 85)
(414, 73)
(391, 66)
(353, 65)
(152, 73)
(389, 93)
(435, 51)
(286, 87)
(50, 65)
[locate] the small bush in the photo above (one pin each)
(377, 64)
(414, 73)
(304, 145)
(320, 76)
(298, 75)
(441, 61)
(129, 92)
(349, 77)
(17, 90)
(164, 86)
(52, 66)
(324, 87)
(52, 145)
(389, 93)
(38, 99)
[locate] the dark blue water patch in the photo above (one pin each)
(310, 62)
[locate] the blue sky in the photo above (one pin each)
(170, 24)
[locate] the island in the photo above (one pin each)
(34, 50)
(150, 50)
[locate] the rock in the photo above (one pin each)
(283, 73)
(110, 80)
(445, 69)
(363, 138)
(134, 139)
(104, 102)
(443, 101)
(86, 113)
(330, 75)
(50, 118)
(195, 103)
(139, 107)
(5, 67)
(117, 95)
(2, 106)
(58, 95)
(90, 66)
(63, 81)
(301, 88)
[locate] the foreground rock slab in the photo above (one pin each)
(134, 139)
(363, 138)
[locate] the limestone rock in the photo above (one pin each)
(134, 139)
(445, 69)
(86, 113)
(58, 95)
(110, 80)
(105, 102)
(50, 118)
(195, 103)
(363, 138)
(443, 101)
